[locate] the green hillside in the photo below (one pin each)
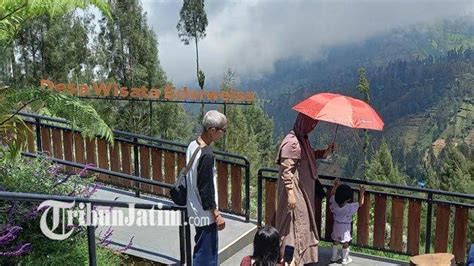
(422, 84)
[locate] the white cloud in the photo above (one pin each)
(250, 36)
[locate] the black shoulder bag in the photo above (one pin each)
(179, 192)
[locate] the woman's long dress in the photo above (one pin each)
(297, 227)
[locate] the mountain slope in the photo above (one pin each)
(417, 85)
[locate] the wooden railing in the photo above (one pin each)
(396, 219)
(138, 155)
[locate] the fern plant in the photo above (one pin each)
(13, 13)
(81, 115)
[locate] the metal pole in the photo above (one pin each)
(136, 166)
(259, 198)
(428, 223)
(187, 229)
(39, 146)
(225, 136)
(247, 192)
(91, 245)
(182, 239)
(151, 118)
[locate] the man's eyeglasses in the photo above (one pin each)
(221, 129)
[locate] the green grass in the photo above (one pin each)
(72, 251)
(371, 252)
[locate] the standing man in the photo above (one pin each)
(202, 190)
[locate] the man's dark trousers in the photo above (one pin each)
(205, 250)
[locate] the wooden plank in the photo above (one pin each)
(57, 143)
(80, 156)
(114, 152)
(126, 150)
(46, 141)
(329, 218)
(442, 228)
(414, 216)
(363, 220)
(222, 182)
(236, 188)
(318, 214)
(103, 157)
(91, 156)
(145, 168)
(68, 148)
(170, 175)
(270, 202)
(157, 174)
(396, 232)
(460, 234)
(181, 160)
(380, 220)
(30, 138)
(432, 259)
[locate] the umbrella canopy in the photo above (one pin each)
(340, 109)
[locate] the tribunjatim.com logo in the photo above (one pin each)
(69, 216)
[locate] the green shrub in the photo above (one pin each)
(21, 238)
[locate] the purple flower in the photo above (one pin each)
(88, 193)
(83, 172)
(10, 234)
(33, 213)
(105, 241)
(19, 250)
(55, 169)
(129, 245)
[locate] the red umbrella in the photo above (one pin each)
(340, 109)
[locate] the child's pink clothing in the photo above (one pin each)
(341, 231)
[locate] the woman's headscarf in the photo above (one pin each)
(302, 127)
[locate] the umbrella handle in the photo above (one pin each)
(335, 134)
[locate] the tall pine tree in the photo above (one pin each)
(381, 167)
(192, 26)
(128, 54)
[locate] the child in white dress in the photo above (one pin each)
(343, 209)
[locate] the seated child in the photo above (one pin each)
(265, 248)
(343, 209)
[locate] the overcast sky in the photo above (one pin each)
(251, 35)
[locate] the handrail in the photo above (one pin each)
(135, 141)
(24, 196)
(184, 232)
(185, 240)
(379, 184)
(103, 171)
(269, 174)
(133, 135)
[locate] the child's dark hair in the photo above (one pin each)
(343, 193)
(266, 246)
